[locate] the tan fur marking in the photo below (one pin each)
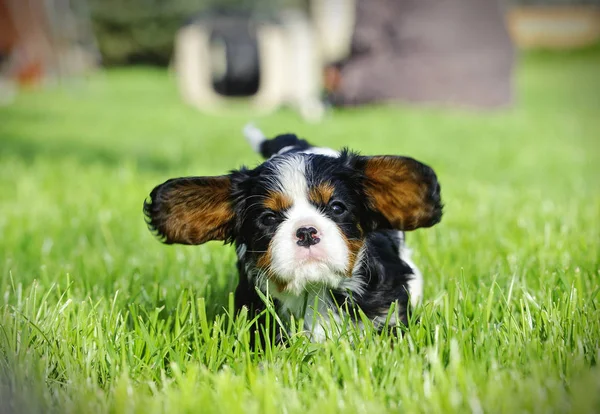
(264, 263)
(277, 201)
(354, 246)
(321, 194)
(396, 191)
(196, 213)
(264, 260)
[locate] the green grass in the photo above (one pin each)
(97, 316)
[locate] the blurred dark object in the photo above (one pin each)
(43, 40)
(449, 52)
(235, 64)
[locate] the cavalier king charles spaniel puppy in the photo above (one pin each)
(318, 232)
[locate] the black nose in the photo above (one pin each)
(307, 236)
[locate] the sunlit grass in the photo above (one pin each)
(97, 316)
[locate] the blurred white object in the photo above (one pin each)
(292, 52)
(287, 59)
(334, 25)
(254, 136)
(554, 26)
(8, 91)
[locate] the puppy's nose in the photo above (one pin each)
(307, 236)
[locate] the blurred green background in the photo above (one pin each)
(97, 316)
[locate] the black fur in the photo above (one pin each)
(271, 147)
(385, 276)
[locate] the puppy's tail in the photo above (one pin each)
(270, 147)
(254, 136)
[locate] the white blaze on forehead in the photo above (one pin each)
(312, 150)
(291, 177)
(322, 151)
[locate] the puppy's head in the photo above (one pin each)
(298, 219)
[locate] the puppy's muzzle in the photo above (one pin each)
(307, 236)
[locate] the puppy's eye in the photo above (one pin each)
(337, 208)
(269, 219)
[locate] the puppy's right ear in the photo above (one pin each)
(191, 210)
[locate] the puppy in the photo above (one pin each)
(311, 226)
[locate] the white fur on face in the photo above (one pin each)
(297, 267)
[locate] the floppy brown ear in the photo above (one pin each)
(402, 190)
(191, 210)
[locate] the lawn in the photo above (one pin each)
(97, 316)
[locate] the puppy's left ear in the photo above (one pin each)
(404, 192)
(191, 210)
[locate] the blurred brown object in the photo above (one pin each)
(26, 43)
(441, 52)
(332, 79)
(222, 57)
(554, 27)
(8, 32)
(42, 40)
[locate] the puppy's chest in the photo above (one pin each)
(300, 306)
(316, 308)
